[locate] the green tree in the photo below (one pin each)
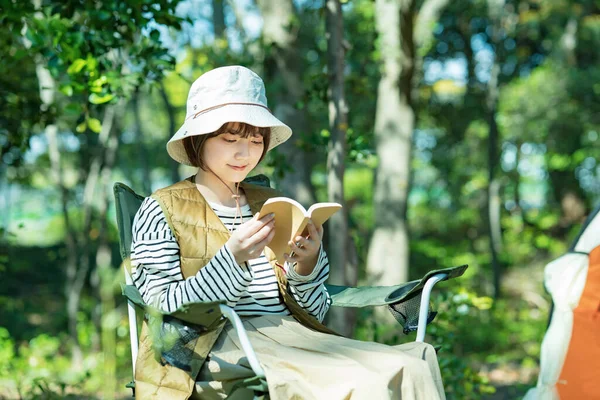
(395, 121)
(83, 72)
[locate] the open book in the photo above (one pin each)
(291, 220)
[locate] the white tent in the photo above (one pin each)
(570, 354)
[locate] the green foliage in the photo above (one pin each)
(35, 355)
(19, 98)
(541, 113)
(42, 368)
(471, 333)
(473, 330)
(100, 54)
(38, 368)
(92, 65)
(7, 352)
(461, 379)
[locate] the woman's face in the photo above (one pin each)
(231, 156)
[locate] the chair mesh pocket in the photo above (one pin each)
(406, 313)
(179, 342)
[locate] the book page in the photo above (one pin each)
(289, 219)
(320, 212)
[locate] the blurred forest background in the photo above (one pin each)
(454, 132)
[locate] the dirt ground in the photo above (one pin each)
(511, 382)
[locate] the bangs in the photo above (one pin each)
(194, 145)
(243, 130)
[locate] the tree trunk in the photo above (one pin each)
(495, 10)
(283, 62)
(103, 256)
(567, 192)
(47, 88)
(76, 277)
(219, 18)
(493, 192)
(340, 319)
(387, 261)
(140, 143)
(174, 166)
(70, 242)
(109, 315)
(240, 14)
(47, 95)
(568, 43)
(429, 13)
(6, 190)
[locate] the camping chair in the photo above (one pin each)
(408, 302)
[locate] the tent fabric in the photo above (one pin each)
(589, 237)
(570, 352)
(579, 376)
(565, 279)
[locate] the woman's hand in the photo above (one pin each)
(250, 238)
(306, 249)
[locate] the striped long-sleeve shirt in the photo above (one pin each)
(250, 288)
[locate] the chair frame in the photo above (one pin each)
(236, 322)
(227, 312)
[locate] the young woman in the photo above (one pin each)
(200, 240)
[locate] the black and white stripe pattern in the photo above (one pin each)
(250, 288)
(310, 290)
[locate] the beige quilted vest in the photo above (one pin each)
(200, 234)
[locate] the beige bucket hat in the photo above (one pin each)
(226, 94)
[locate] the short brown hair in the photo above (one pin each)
(194, 144)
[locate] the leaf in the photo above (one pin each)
(559, 162)
(92, 63)
(95, 125)
(155, 35)
(100, 81)
(76, 66)
(81, 127)
(97, 99)
(67, 90)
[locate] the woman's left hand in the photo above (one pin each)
(306, 249)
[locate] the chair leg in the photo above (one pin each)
(131, 385)
(133, 333)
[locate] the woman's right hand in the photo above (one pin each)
(250, 238)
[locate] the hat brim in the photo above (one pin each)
(212, 120)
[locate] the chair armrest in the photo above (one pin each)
(424, 307)
(368, 296)
(132, 294)
(206, 314)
